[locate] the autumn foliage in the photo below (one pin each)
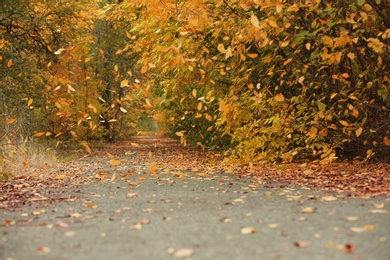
(261, 80)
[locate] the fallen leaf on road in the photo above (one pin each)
(302, 244)
(144, 221)
(328, 198)
(308, 210)
(379, 211)
(132, 195)
(76, 215)
(43, 249)
(351, 218)
(70, 233)
(114, 162)
(378, 205)
(348, 248)
(362, 229)
(136, 226)
(248, 230)
(273, 225)
(226, 220)
(183, 252)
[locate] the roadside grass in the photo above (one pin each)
(26, 158)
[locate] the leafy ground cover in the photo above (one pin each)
(167, 157)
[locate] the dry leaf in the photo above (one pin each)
(183, 252)
(132, 195)
(308, 210)
(114, 162)
(248, 230)
(302, 244)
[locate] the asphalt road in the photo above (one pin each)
(190, 216)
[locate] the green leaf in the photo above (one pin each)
(361, 2)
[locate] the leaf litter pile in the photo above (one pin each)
(166, 157)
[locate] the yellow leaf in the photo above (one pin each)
(248, 230)
(194, 93)
(279, 97)
(252, 55)
(344, 123)
(60, 177)
(358, 132)
(327, 41)
(301, 79)
(10, 121)
(135, 145)
(287, 61)
(9, 63)
(273, 24)
(254, 20)
(110, 155)
(30, 101)
(285, 44)
(144, 69)
(221, 48)
(124, 83)
(39, 134)
(86, 147)
(132, 195)
(114, 162)
(179, 134)
(351, 55)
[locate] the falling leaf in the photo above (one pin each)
(344, 123)
(252, 55)
(184, 252)
(248, 230)
(132, 195)
(39, 134)
(180, 134)
(10, 121)
(359, 131)
(254, 21)
(86, 147)
(124, 83)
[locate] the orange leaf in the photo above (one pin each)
(114, 162)
(86, 147)
(39, 134)
(9, 63)
(344, 123)
(386, 140)
(10, 121)
(252, 55)
(279, 97)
